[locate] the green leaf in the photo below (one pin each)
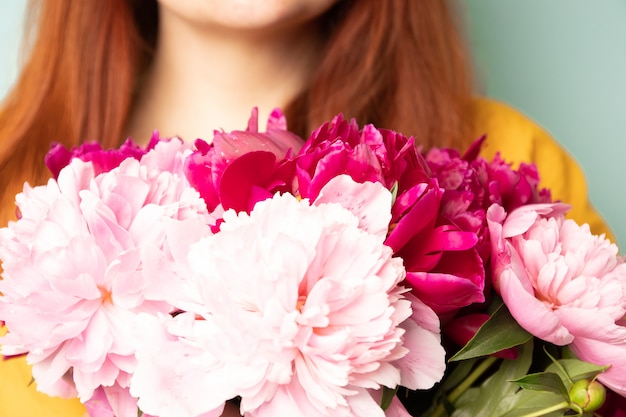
(558, 368)
(543, 381)
(465, 400)
(575, 370)
(387, 397)
(500, 332)
(494, 396)
(461, 370)
(526, 402)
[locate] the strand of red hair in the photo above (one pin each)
(400, 64)
(77, 85)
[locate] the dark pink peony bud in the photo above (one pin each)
(240, 168)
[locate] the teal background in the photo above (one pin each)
(11, 28)
(562, 62)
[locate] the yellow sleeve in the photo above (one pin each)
(19, 398)
(518, 139)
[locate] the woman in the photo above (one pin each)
(107, 70)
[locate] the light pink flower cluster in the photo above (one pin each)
(301, 314)
(89, 254)
(562, 284)
(175, 278)
(295, 307)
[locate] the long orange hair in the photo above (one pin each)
(397, 63)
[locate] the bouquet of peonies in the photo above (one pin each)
(348, 275)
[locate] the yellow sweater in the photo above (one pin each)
(508, 132)
(518, 139)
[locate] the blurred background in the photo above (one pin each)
(561, 62)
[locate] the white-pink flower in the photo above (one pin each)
(302, 315)
(562, 284)
(87, 255)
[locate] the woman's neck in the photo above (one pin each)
(207, 78)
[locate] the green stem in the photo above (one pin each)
(471, 378)
(560, 406)
(465, 384)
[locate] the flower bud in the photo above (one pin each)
(585, 395)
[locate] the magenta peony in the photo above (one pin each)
(339, 147)
(240, 168)
(562, 284)
(89, 253)
(443, 266)
(488, 182)
(514, 188)
(103, 160)
(472, 185)
(454, 246)
(302, 315)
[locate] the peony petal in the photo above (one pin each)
(421, 215)
(363, 405)
(396, 409)
(591, 324)
(167, 383)
(531, 313)
(369, 202)
(425, 363)
(603, 353)
(520, 220)
(242, 175)
(445, 292)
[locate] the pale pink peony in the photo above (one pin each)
(562, 284)
(112, 402)
(302, 315)
(88, 254)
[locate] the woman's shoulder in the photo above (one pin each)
(518, 139)
(19, 397)
(511, 133)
